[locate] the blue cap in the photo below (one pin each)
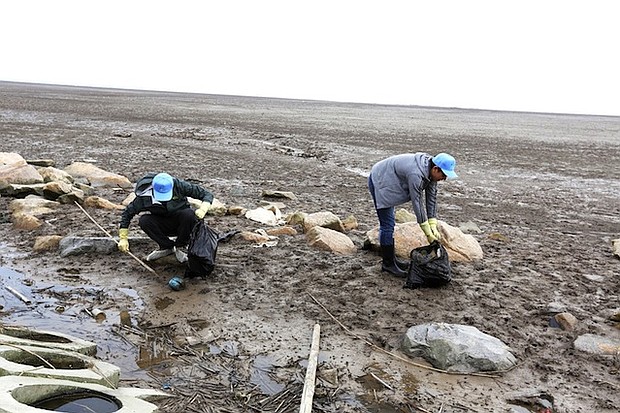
(446, 163)
(162, 187)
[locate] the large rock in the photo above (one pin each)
(25, 212)
(593, 344)
(96, 176)
(456, 347)
(330, 240)
(407, 236)
(33, 205)
(324, 219)
(51, 174)
(15, 170)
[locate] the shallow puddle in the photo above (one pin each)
(82, 402)
(67, 309)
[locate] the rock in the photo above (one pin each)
(21, 191)
(73, 245)
(41, 162)
(97, 177)
(350, 223)
(296, 218)
(26, 221)
(237, 210)
(456, 347)
(218, 208)
(591, 343)
(77, 195)
(402, 215)
(78, 245)
(33, 205)
(615, 247)
(461, 247)
(46, 243)
(286, 230)
(53, 190)
(254, 237)
(567, 321)
(279, 194)
(15, 170)
(330, 240)
(323, 219)
(51, 174)
(263, 216)
(555, 307)
(98, 202)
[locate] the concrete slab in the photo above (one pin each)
(26, 337)
(54, 363)
(18, 394)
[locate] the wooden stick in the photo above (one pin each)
(18, 294)
(387, 386)
(110, 235)
(308, 392)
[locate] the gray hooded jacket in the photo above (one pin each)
(403, 178)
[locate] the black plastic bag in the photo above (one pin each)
(201, 250)
(429, 267)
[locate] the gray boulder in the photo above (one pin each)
(456, 347)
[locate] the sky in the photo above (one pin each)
(536, 56)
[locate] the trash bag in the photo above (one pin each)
(201, 250)
(429, 267)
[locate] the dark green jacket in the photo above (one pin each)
(144, 200)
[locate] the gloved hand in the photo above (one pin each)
(432, 223)
(204, 208)
(426, 228)
(123, 242)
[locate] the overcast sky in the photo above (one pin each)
(540, 56)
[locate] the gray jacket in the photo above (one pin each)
(406, 177)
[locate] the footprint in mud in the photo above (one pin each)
(163, 303)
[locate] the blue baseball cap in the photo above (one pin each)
(446, 163)
(162, 187)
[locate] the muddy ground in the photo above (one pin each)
(544, 189)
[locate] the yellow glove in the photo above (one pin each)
(123, 242)
(202, 211)
(432, 222)
(426, 228)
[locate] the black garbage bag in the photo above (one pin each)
(201, 250)
(429, 267)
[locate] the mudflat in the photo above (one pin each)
(544, 190)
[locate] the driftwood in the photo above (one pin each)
(308, 392)
(18, 294)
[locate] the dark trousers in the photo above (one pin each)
(160, 227)
(387, 219)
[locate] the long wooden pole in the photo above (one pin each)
(110, 235)
(308, 393)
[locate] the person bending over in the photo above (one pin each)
(407, 177)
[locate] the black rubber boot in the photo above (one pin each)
(389, 262)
